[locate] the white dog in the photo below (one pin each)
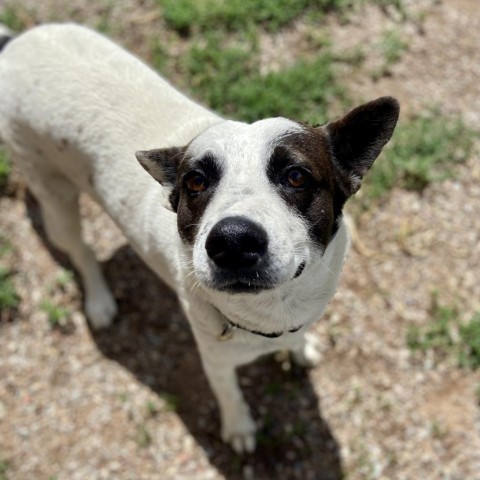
(243, 221)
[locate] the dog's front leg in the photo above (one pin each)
(220, 360)
(238, 426)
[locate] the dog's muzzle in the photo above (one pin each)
(238, 250)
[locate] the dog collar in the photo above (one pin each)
(230, 327)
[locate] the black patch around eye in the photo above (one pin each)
(191, 206)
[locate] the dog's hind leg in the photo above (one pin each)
(58, 198)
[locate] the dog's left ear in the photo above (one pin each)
(358, 138)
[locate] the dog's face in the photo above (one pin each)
(258, 204)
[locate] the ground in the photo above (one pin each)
(133, 403)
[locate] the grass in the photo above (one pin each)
(5, 167)
(423, 150)
(9, 298)
(144, 438)
(391, 48)
(186, 16)
(240, 15)
(56, 314)
(230, 81)
(469, 356)
(446, 337)
(15, 17)
(3, 469)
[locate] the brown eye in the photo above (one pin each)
(296, 178)
(196, 183)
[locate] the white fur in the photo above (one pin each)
(75, 108)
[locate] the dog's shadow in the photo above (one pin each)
(152, 340)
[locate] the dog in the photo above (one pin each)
(243, 221)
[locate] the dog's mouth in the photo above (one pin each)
(244, 284)
(244, 287)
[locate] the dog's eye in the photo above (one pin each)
(196, 183)
(296, 178)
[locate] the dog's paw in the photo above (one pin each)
(309, 355)
(239, 432)
(101, 309)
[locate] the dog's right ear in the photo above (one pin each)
(162, 164)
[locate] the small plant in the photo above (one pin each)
(9, 298)
(64, 278)
(3, 469)
(15, 17)
(438, 335)
(392, 47)
(5, 167)
(446, 336)
(423, 150)
(469, 355)
(57, 315)
(144, 438)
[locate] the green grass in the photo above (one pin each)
(423, 150)
(240, 15)
(144, 438)
(469, 355)
(228, 79)
(391, 48)
(15, 16)
(5, 167)
(57, 315)
(185, 16)
(9, 298)
(446, 337)
(3, 469)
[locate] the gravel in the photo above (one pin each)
(133, 403)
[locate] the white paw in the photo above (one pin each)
(309, 355)
(101, 309)
(239, 431)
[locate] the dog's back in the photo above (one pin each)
(75, 107)
(91, 97)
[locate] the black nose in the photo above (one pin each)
(236, 242)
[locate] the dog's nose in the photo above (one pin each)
(236, 242)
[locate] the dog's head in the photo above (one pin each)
(259, 203)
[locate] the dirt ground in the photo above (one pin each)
(133, 403)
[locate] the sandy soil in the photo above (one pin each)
(132, 402)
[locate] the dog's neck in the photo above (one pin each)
(285, 309)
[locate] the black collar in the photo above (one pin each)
(229, 327)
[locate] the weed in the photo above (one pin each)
(438, 335)
(446, 336)
(9, 298)
(5, 167)
(144, 438)
(469, 355)
(15, 17)
(64, 278)
(57, 315)
(5, 246)
(151, 408)
(423, 150)
(3, 469)
(393, 46)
